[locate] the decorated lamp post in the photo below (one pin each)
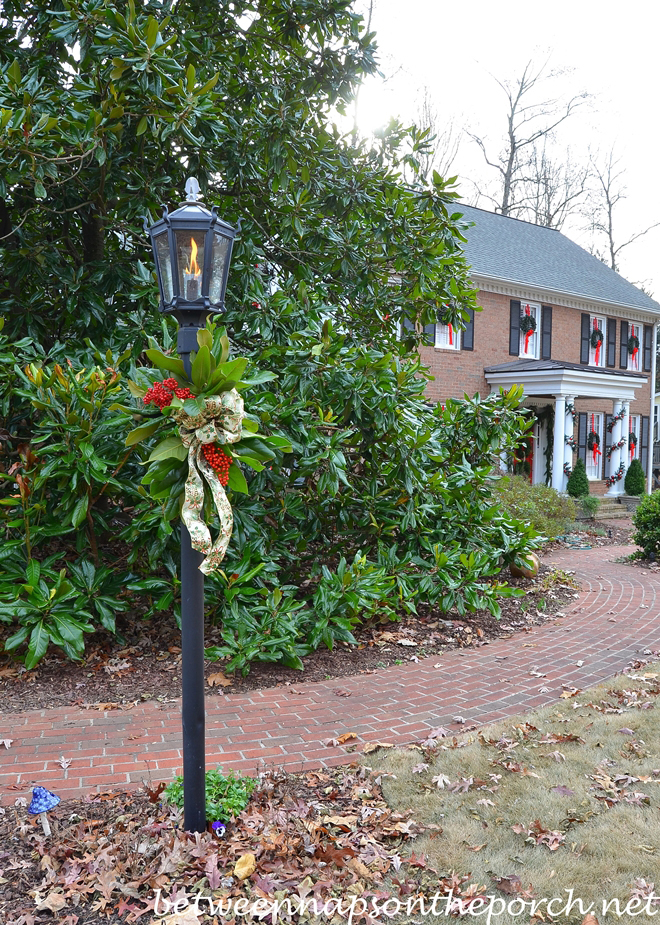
(192, 249)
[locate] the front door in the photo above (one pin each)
(595, 444)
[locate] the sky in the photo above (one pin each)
(457, 49)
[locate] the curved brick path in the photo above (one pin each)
(615, 618)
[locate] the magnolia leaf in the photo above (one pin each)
(135, 390)
(201, 367)
(169, 447)
(172, 364)
(141, 433)
(237, 480)
(252, 463)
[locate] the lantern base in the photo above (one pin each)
(186, 341)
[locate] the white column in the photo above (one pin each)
(617, 456)
(569, 425)
(559, 443)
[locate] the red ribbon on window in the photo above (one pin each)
(529, 333)
(595, 450)
(597, 355)
(634, 354)
(630, 443)
(451, 335)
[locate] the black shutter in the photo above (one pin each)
(467, 340)
(610, 359)
(585, 339)
(644, 451)
(514, 329)
(608, 444)
(648, 347)
(429, 333)
(623, 359)
(582, 434)
(546, 332)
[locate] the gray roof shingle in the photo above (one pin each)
(519, 252)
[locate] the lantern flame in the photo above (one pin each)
(193, 267)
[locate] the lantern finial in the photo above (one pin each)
(192, 190)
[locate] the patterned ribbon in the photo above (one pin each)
(220, 422)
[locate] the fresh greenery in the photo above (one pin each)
(226, 796)
(635, 481)
(646, 521)
(589, 505)
(578, 483)
(383, 500)
(539, 505)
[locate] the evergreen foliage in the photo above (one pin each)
(635, 482)
(384, 501)
(646, 521)
(578, 483)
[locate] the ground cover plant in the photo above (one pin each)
(562, 798)
(540, 505)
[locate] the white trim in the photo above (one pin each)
(523, 291)
(584, 383)
(649, 467)
(441, 337)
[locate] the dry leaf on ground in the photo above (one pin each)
(245, 866)
(218, 680)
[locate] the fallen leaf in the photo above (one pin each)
(338, 692)
(563, 791)
(589, 919)
(218, 680)
(441, 781)
(245, 866)
(187, 917)
(625, 731)
(420, 768)
(346, 737)
(374, 746)
(55, 902)
(360, 868)
(476, 847)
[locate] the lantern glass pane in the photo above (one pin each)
(219, 256)
(190, 263)
(162, 248)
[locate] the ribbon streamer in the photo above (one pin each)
(451, 335)
(597, 356)
(220, 422)
(528, 334)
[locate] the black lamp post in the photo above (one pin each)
(192, 250)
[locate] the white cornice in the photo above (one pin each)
(573, 382)
(570, 300)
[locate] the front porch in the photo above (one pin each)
(606, 442)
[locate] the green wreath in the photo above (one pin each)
(633, 343)
(593, 440)
(632, 439)
(596, 337)
(527, 323)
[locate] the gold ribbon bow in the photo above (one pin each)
(220, 422)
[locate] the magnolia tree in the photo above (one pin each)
(357, 499)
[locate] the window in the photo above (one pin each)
(530, 318)
(597, 347)
(634, 432)
(447, 337)
(634, 347)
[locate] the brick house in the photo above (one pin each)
(577, 336)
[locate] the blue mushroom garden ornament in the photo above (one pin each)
(43, 801)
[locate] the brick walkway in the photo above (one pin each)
(615, 619)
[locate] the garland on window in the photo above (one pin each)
(570, 441)
(567, 470)
(633, 346)
(616, 446)
(618, 475)
(593, 442)
(596, 341)
(527, 325)
(617, 417)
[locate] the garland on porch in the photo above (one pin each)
(546, 415)
(567, 470)
(570, 441)
(618, 475)
(570, 409)
(616, 446)
(593, 442)
(527, 325)
(596, 341)
(616, 417)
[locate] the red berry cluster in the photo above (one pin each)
(218, 459)
(161, 393)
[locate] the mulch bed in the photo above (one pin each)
(144, 663)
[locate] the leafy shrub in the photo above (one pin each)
(226, 797)
(589, 505)
(578, 483)
(539, 505)
(646, 520)
(635, 482)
